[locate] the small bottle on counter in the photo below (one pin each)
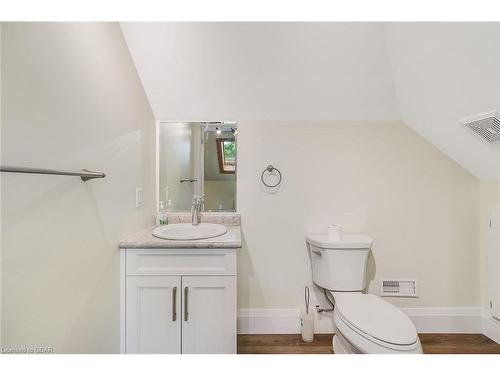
(161, 216)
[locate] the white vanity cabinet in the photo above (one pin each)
(178, 301)
(209, 314)
(153, 323)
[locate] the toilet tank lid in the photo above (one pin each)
(348, 241)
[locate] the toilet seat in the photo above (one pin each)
(373, 325)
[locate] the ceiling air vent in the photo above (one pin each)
(399, 288)
(486, 125)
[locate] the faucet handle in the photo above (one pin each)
(198, 199)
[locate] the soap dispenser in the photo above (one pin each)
(161, 217)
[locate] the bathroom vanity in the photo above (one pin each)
(179, 296)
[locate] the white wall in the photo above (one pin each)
(264, 71)
(71, 100)
(381, 179)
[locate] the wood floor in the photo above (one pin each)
(432, 343)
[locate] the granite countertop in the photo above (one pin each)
(145, 240)
(232, 239)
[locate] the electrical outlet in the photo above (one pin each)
(139, 197)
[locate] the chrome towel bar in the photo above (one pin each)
(84, 174)
(188, 180)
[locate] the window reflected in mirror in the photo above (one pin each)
(226, 155)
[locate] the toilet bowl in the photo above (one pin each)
(364, 323)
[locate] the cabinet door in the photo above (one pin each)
(208, 314)
(153, 319)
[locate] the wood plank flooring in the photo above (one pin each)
(458, 344)
(283, 344)
(433, 343)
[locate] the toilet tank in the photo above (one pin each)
(339, 265)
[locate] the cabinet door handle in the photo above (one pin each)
(186, 304)
(174, 304)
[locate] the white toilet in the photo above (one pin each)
(365, 323)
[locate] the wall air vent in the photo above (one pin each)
(399, 288)
(486, 125)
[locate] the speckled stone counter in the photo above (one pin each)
(223, 218)
(232, 239)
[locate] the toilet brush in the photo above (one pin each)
(307, 319)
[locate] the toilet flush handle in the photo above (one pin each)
(316, 252)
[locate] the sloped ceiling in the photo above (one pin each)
(427, 75)
(444, 72)
(264, 71)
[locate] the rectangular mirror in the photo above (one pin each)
(195, 159)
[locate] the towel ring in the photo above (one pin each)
(270, 169)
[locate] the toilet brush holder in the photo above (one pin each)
(306, 319)
(307, 325)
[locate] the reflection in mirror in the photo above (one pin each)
(195, 159)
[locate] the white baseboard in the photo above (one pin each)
(270, 321)
(275, 321)
(446, 320)
(426, 320)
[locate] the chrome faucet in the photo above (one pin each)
(196, 208)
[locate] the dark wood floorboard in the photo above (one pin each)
(283, 344)
(458, 343)
(432, 343)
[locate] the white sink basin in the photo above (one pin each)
(188, 231)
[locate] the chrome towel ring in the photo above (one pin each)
(269, 171)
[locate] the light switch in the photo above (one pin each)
(139, 197)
